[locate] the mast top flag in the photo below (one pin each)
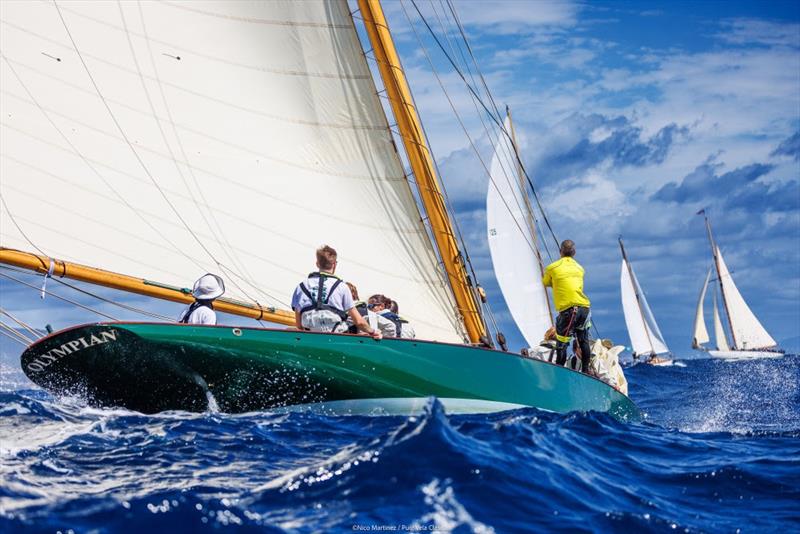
(150, 152)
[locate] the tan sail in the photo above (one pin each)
(166, 140)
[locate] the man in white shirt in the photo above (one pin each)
(323, 303)
(207, 288)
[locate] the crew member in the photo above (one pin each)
(376, 321)
(323, 303)
(207, 288)
(565, 276)
(380, 304)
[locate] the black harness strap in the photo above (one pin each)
(196, 304)
(398, 322)
(320, 303)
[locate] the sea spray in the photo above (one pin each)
(213, 407)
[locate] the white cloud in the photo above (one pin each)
(754, 31)
(513, 16)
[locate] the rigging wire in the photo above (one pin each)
(460, 121)
(96, 296)
(487, 306)
(14, 334)
(78, 304)
(496, 118)
(464, 252)
(538, 227)
(507, 149)
(19, 322)
(410, 178)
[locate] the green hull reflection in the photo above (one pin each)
(152, 367)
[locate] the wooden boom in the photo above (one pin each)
(83, 273)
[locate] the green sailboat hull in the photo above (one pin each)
(152, 367)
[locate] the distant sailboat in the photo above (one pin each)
(646, 338)
(513, 246)
(749, 339)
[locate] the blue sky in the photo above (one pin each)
(631, 117)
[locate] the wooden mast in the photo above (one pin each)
(421, 161)
(715, 253)
(528, 208)
(83, 273)
(636, 293)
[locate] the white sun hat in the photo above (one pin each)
(209, 286)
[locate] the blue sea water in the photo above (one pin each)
(719, 451)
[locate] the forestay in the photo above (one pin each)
(512, 246)
(646, 337)
(700, 332)
(226, 137)
(747, 330)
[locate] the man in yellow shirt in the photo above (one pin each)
(565, 276)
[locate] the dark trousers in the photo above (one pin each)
(573, 321)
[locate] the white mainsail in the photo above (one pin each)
(165, 140)
(748, 333)
(700, 332)
(511, 245)
(646, 337)
(719, 331)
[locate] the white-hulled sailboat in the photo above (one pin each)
(646, 338)
(749, 339)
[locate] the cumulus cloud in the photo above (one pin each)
(789, 147)
(743, 31)
(739, 188)
(588, 141)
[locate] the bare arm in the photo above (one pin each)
(298, 321)
(362, 325)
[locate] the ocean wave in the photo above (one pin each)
(690, 465)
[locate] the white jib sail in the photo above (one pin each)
(512, 247)
(231, 137)
(700, 332)
(719, 331)
(747, 330)
(643, 331)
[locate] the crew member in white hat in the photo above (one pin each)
(207, 288)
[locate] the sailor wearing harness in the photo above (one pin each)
(207, 288)
(565, 276)
(323, 303)
(377, 322)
